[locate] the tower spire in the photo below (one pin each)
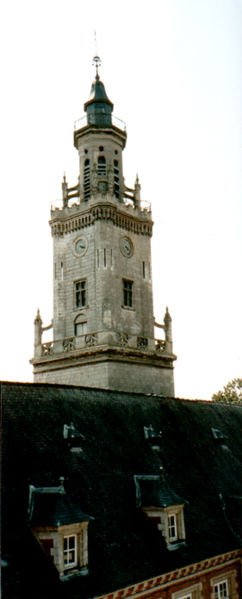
(96, 61)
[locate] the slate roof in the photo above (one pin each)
(157, 492)
(53, 507)
(124, 546)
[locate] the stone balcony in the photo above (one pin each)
(99, 339)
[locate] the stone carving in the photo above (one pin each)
(91, 339)
(142, 342)
(47, 348)
(122, 339)
(69, 344)
(160, 345)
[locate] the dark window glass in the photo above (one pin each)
(86, 179)
(116, 178)
(80, 294)
(101, 165)
(128, 293)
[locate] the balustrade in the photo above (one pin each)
(69, 344)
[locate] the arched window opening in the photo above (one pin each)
(116, 178)
(101, 165)
(86, 180)
(80, 326)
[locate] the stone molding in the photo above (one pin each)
(65, 221)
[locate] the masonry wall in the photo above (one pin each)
(135, 378)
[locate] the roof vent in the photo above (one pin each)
(218, 436)
(73, 438)
(152, 437)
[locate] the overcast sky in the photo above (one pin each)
(173, 70)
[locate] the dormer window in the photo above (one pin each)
(162, 505)
(61, 528)
(70, 551)
(172, 527)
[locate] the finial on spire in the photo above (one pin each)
(96, 61)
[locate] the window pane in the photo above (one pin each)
(80, 294)
(70, 551)
(221, 590)
(127, 293)
(172, 527)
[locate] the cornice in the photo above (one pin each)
(73, 219)
(160, 582)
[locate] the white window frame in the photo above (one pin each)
(218, 591)
(172, 526)
(192, 592)
(67, 551)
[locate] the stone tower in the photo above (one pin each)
(103, 323)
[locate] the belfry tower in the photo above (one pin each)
(103, 323)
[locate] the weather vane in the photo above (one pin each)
(96, 59)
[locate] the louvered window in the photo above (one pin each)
(86, 181)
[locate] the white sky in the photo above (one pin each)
(173, 70)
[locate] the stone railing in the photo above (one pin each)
(113, 339)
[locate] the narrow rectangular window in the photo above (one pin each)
(172, 527)
(111, 257)
(143, 269)
(70, 551)
(80, 294)
(98, 258)
(221, 590)
(127, 293)
(55, 271)
(104, 257)
(62, 270)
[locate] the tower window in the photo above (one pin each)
(80, 294)
(127, 293)
(104, 257)
(101, 165)
(70, 551)
(116, 178)
(101, 148)
(80, 326)
(143, 269)
(86, 179)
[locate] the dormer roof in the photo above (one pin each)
(156, 492)
(51, 506)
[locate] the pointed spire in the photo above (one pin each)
(168, 331)
(96, 61)
(37, 334)
(137, 188)
(38, 318)
(64, 191)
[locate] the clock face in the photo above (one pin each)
(102, 187)
(126, 247)
(80, 246)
